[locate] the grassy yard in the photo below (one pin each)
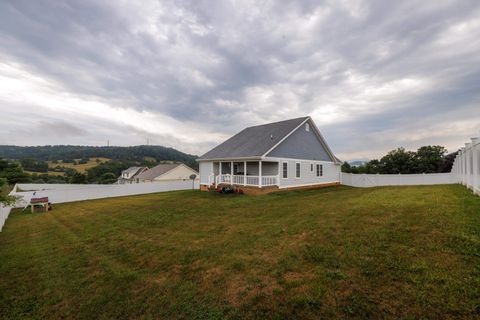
(340, 252)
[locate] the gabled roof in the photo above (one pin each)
(132, 170)
(157, 171)
(254, 142)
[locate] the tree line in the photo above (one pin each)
(69, 153)
(427, 159)
(107, 172)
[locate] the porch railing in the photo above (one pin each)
(249, 181)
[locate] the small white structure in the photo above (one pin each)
(166, 172)
(128, 176)
(283, 154)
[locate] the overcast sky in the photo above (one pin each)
(374, 75)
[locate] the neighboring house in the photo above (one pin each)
(283, 154)
(128, 175)
(166, 171)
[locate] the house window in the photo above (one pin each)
(311, 167)
(285, 170)
(307, 127)
(319, 170)
(297, 170)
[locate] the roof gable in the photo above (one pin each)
(302, 144)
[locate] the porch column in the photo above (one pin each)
(278, 173)
(220, 172)
(467, 164)
(260, 173)
(231, 172)
(244, 173)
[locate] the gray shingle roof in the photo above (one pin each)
(253, 141)
(156, 171)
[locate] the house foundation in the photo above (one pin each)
(255, 191)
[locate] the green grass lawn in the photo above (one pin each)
(339, 252)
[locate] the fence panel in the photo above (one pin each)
(466, 167)
(376, 180)
(4, 212)
(78, 192)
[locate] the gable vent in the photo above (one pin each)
(307, 127)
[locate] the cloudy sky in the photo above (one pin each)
(374, 75)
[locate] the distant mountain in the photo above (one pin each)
(358, 162)
(69, 152)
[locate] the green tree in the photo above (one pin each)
(13, 172)
(107, 178)
(34, 165)
(5, 199)
(78, 178)
(447, 162)
(114, 167)
(398, 161)
(429, 159)
(346, 167)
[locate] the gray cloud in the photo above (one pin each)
(375, 75)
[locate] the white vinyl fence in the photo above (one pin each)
(465, 170)
(376, 180)
(58, 193)
(4, 212)
(467, 165)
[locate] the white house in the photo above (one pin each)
(285, 154)
(128, 176)
(166, 171)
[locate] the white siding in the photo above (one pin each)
(179, 173)
(331, 173)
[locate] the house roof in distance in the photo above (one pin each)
(254, 141)
(157, 171)
(132, 170)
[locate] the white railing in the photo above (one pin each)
(269, 180)
(252, 181)
(246, 180)
(466, 167)
(238, 179)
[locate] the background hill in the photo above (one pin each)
(81, 164)
(70, 153)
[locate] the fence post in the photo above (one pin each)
(475, 165)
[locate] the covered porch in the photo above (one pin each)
(246, 173)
